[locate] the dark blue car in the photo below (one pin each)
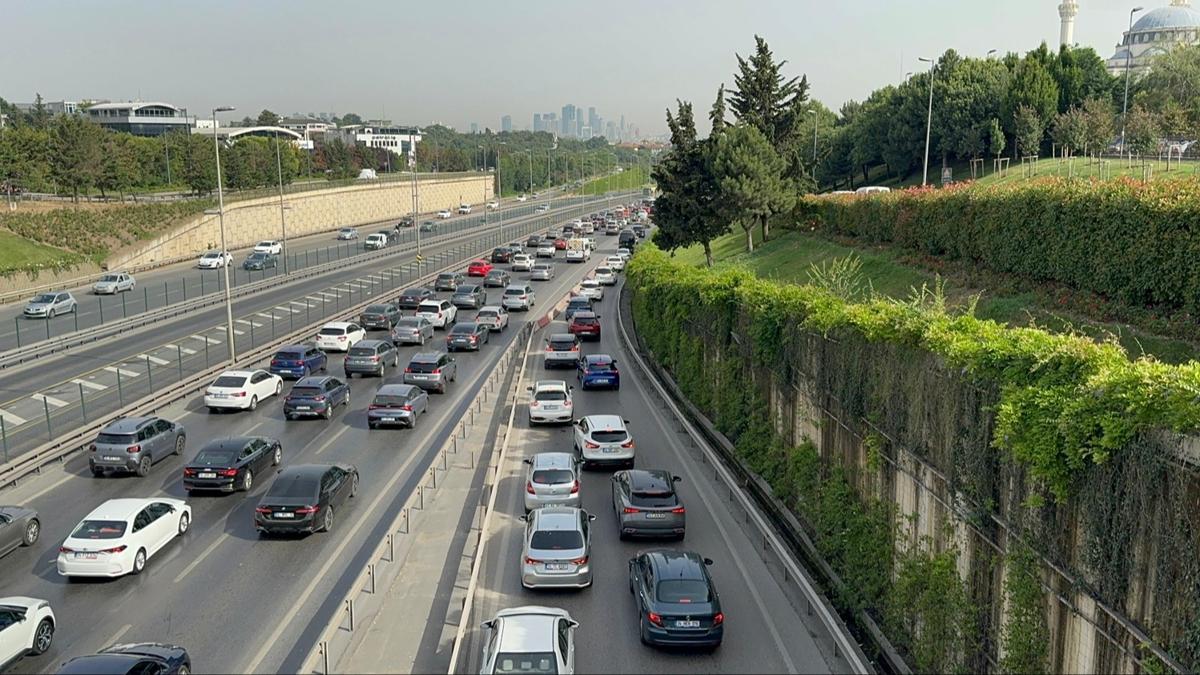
(298, 361)
(598, 370)
(144, 657)
(579, 303)
(677, 602)
(316, 396)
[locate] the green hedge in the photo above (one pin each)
(1139, 243)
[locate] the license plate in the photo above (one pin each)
(391, 419)
(610, 450)
(85, 556)
(604, 381)
(551, 407)
(284, 514)
(420, 377)
(217, 395)
(687, 624)
(303, 407)
(208, 475)
(656, 516)
(556, 567)
(110, 458)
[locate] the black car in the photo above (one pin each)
(428, 226)
(303, 498)
(502, 254)
(382, 316)
(534, 241)
(315, 396)
(413, 297)
(640, 231)
(131, 659)
(627, 239)
(468, 335)
(676, 599)
(405, 222)
(260, 261)
(230, 464)
(579, 303)
(469, 296)
(497, 279)
(449, 281)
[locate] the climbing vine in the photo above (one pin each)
(930, 613)
(1025, 636)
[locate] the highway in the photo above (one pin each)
(764, 632)
(238, 602)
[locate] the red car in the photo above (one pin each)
(560, 244)
(586, 325)
(479, 268)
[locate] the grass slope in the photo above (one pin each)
(21, 254)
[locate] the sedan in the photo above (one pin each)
(590, 288)
(19, 526)
(139, 658)
(448, 281)
(241, 389)
(260, 261)
(560, 244)
(542, 208)
(212, 260)
(444, 214)
(468, 335)
(347, 234)
(553, 480)
(616, 262)
(646, 504)
(381, 316)
(542, 272)
(49, 305)
(113, 283)
(557, 548)
(497, 279)
(397, 404)
(412, 298)
(545, 250)
(120, 535)
(676, 599)
(469, 296)
(479, 268)
(533, 241)
(518, 296)
(495, 317)
(298, 361)
(269, 246)
(26, 627)
(529, 639)
(605, 276)
(412, 330)
(316, 396)
(598, 370)
(229, 464)
(303, 498)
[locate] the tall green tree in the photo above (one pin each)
(969, 93)
(1069, 130)
(1142, 131)
(1098, 124)
(200, 165)
(1033, 87)
(75, 153)
(39, 117)
(716, 116)
(749, 175)
(1028, 130)
(1173, 80)
(351, 118)
(684, 211)
(996, 140)
(119, 168)
(266, 118)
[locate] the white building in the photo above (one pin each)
(398, 140)
(306, 126)
(1154, 33)
(140, 118)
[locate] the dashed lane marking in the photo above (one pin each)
(91, 385)
(204, 338)
(10, 418)
(246, 322)
(153, 359)
(122, 372)
(56, 402)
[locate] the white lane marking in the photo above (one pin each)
(289, 310)
(326, 444)
(323, 295)
(187, 350)
(204, 338)
(299, 304)
(122, 371)
(119, 634)
(153, 359)
(265, 316)
(91, 385)
(207, 552)
(238, 332)
(245, 322)
(56, 402)
(53, 486)
(10, 418)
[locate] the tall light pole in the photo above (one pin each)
(530, 153)
(483, 154)
(1128, 63)
(229, 334)
(282, 219)
(499, 187)
(815, 117)
(412, 175)
(928, 123)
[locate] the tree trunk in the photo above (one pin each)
(750, 239)
(766, 225)
(708, 256)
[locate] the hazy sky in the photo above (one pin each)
(459, 62)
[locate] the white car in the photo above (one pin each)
(529, 639)
(551, 402)
(493, 205)
(376, 241)
(494, 317)
(441, 313)
(26, 627)
(213, 260)
(522, 198)
(241, 389)
(578, 254)
(464, 208)
(542, 208)
(625, 254)
(113, 283)
(120, 535)
(444, 214)
(605, 276)
(616, 262)
(339, 336)
(545, 250)
(590, 288)
(587, 228)
(603, 439)
(522, 262)
(269, 246)
(347, 233)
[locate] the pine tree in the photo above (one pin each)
(717, 115)
(751, 186)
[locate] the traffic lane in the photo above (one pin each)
(763, 632)
(205, 603)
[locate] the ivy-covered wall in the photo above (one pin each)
(1000, 500)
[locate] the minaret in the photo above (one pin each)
(1067, 11)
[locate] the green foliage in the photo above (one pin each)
(1141, 131)
(995, 135)
(751, 187)
(266, 118)
(75, 152)
(930, 613)
(684, 210)
(1025, 634)
(764, 99)
(1070, 130)
(1028, 130)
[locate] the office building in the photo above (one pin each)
(593, 121)
(398, 140)
(140, 118)
(308, 127)
(506, 123)
(610, 131)
(474, 127)
(537, 121)
(568, 120)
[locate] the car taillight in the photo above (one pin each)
(239, 393)
(580, 561)
(627, 444)
(630, 509)
(718, 618)
(133, 449)
(529, 487)
(408, 370)
(228, 473)
(64, 549)
(574, 487)
(374, 407)
(655, 618)
(306, 510)
(437, 371)
(532, 561)
(262, 509)
(575, 348)
(189, 472)
(590, 445)
(341, 338)
(319, 398)
(406, 408)
(474, 338)
(115, 549)
(678, 509)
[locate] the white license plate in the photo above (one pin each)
(551, 407)
(420, 377)
(208, 475)
(110, 458)
(303, 407)
(604, 381)
(85, 556)
(556, 567)
(218, 395)
(284, 514)
(687, 624)
(656, 516)
(610, 450)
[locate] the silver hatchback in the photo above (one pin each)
(647, 505)
(557, 547)
(134, 444)
(553, 480)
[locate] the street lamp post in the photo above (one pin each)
(529, 151)
(928, 124)
(412, 175)
(1128, 63)
(282, 219)
(499, 187)
(229, 334)
(815, 117)
(483, 154)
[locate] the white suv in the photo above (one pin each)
(440, 313)
(464, 208)
(529, 639)
(522, 262)
(551, 402)
(518, 296)
(603, 439)
(26, 627)
(269, 246)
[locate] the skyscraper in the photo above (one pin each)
(593, 121)
(506, 123)
(537, 121)
(610, 131)
(474, 127)
(568, 120)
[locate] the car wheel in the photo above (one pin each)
(43, 637)
(50, 314)
(143, 467)
(328, 414)
(33, 530)
(382, 371)
(305, 373)
(372, 425)
(642, 629)
(97, 471)
(185, 521)
(354, 487)
(139, 561)
(247, 480)
(254, 403)
(278, 458)
(279, 387)
(179, 443)
(327, 520)
(184, 670)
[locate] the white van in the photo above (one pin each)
(375, 241)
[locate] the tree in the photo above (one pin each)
(200, 165)
(1098, 124)
(1173, 80)
(763, 98)
(266, 118)
(1028, 130)
(996, 140)
(1032, 87)
(75, 156)
(1070, 130)
(39, 117)
(749, 175)
(119, 169)
(350, 118)
(1141, 131)
(969, 93)
(716, 116)
(684, 211)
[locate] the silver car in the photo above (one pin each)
(529, 639)
(553, 480)
(112, 283)
(134, 444)
(603, 439)
(19, 526)
(542, 272)
(518, 296)
(371, 357)
(50, 305)
(556, 548)
(431, 371)
(412, 330)
(647, 505)
(397, 404)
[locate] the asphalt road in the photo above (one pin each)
(763, 631)
(220, 591)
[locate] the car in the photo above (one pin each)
(612, 228)
(518, 296)
(316, 396)
(616, 262)
(381, 316)
(479, 268)
(533, 241)
(26, 627)
(302, 498)
(551, 402)
(431, 371)
(113, 283)
(542, 272)
(640, 231)
(590, 288)
(347, 233)
(375, 241)
(676, 599)
(522, 262)
(495, 317)
(228, 464)
(464, 208)
(605, 276)
(579, 303)
(502, 254)
(598, 370)
(545, 250)
(562, 349)
(468, 335)
(19, 526)
(444, 214)
(603, 440)
(542, 208)
(134, 444)
(412, 298)
(556, 548)
(646, 504)
(297, 361)
(269, 246)
(552, 480)
(469, 295)
(560, 244)
(241, 389)
(529, 639)
(131, 659)
(212, 260)
(449, 281)
(625, 254)
(371, 357)
(440, 313)
(585, 324)
(522, 198)
(578, 254)
(412, 330)
(428, 226)
(120, 535)
(497, 279)
(405, 222)
(493, 204)
(397, 404)
(260, 261)
(553, 233)
(50, 305)
(587, 228)
(339, 336)
(627, 239)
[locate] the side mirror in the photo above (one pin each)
(528, 388)
(487, 625)
(524, 518)
(573, 624)
(675, 479)
(591, 516)
(708, 561)
(626, 422)
(570, 388)
(528, 460)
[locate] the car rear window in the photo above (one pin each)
(289, 354)
(230, 381)
(420, 291)
(487, 314)
(579, 302)
(462, 329)
(390, 400)
(552, 395)
(556, 540)
(586, 320)
(100, 529)
(605, 436)
(422, 366)
(682, 591)
(116, 439)
(408, 323)
(514, 291)
(378, 309)
(362, 351)
(531, 663)
(333, 331)
(603, 270)
(220, 457)
(562, 345)
(433, 307)
(294, 486)
(306, 392)
(652, 498)
(552, 476)
(599, 365)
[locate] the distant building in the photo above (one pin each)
(568, 120)
(537, 121)
(610, 130)
(1154, 33)
(140, 118)
(474, 127)
(307, 127)
(398, 140)
(231, 134)
(506, 123)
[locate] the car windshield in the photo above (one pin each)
(532, 663)
(550, 395)
(333, 331)
(294, 486)
(390, 401)
(378, 309)
(609, 435)
(216, 457)
(514, 291)
(462, 329)
(487, 314)
(556, 540)
(682, 590)
(232, 381)
(100, 529)
(552, 476)
(110, 277)
(44, 297)
(409, 323)
(362, 351)
(115, 439)
(305, 392)
(211, 254)
(652, 498)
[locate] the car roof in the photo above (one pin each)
(467, 288)
(337, 324)
(370, 343)
(427, 356)
(606, 421)
(464, 327)
(550, 385)
(308, 471)
(293, 348)
(673, 564)
(124, 508)
(126, 425)
(528, 629)
(553, 460)
(102, 663)
(581, 300)
(597, 358)
(395, 389)
(313, 380)
(237, 373)
(563, 337)
(561, 518)
(489, 308)
(650, 480)
(228, 443)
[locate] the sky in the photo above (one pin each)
(458, 61)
